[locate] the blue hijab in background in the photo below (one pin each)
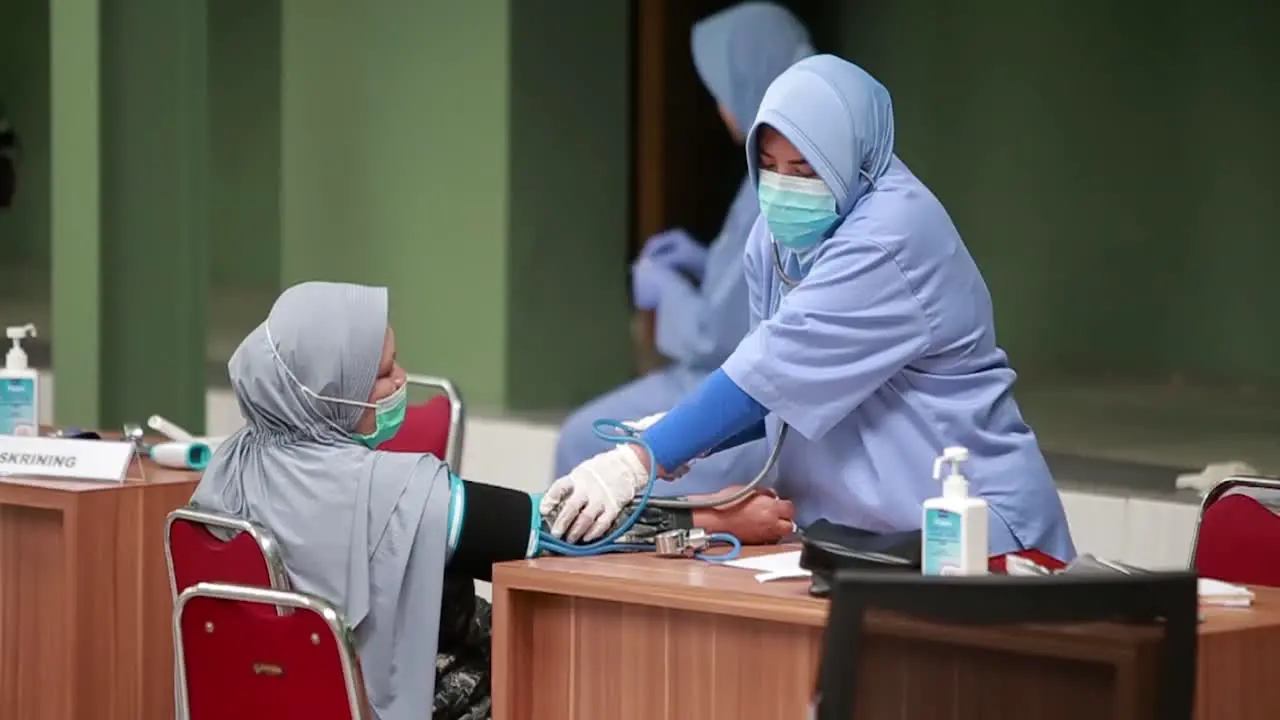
(737, 52)
(885, 352)
(740, 51)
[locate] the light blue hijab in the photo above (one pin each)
(739, 51)
(885, 353)
(838, 116)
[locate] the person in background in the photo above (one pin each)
(394, 540)
(699, 294)
(873, 338)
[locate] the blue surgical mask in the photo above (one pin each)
(389, 416)
(799, 211)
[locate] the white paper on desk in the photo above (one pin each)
(1216, 592)
(774, 566)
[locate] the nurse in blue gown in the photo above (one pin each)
(737, 53)
(872, 336)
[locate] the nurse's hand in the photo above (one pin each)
(678, 250)
(648, 281)
(760, 518)
(590, 497)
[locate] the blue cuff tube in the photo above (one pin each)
(457, 510)
(715, 412)
(535, 525)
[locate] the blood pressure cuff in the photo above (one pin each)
(827, 547)
(651, 522)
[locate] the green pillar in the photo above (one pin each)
(569, 179)
(130, 178)
(483, 176)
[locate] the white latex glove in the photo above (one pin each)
(590, 497)
(644, 423)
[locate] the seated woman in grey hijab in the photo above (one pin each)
(394, 540)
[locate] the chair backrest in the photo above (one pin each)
(246, 554)
(1238, 533)
(238, 658)
(1001, 600)
(434, 427)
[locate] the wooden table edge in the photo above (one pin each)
(516, 577)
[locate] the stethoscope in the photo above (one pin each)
(673, 543)
(777, 266)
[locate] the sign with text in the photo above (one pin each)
(64, 458)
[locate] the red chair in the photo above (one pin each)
(1238, 535)
(195, 554)
(239, 658)
(435, 426)
(997, 564)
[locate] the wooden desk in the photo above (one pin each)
(85, 607)
(639, 637)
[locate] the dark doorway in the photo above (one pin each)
(686, 166)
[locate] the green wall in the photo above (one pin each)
(456, 157)
(24, 89)
(1112, 166)
(244, 127)
(244, 106)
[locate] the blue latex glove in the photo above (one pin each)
(648, 280)
(677, 250)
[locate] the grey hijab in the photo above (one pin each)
(361, 528)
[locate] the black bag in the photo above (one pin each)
(827, 547)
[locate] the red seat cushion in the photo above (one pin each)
(1239, 542)
(425, 429)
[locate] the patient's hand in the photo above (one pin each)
(760, 518)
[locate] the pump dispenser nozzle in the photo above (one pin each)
(16, 359)
(954, 483)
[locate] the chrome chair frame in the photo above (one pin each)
(1221, 490)
(265, 541)
(457, 415)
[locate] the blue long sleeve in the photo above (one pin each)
(757, 431)
(716, 411)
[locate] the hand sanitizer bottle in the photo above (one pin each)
(954, 530)
(18, 385)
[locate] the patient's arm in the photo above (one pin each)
(489, 524)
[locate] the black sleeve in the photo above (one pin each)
(495, 528)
